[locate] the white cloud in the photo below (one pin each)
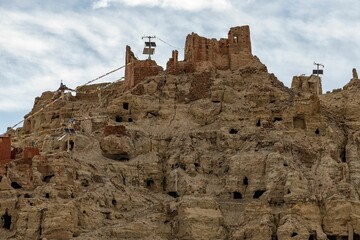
(100, 4)
(188, 5)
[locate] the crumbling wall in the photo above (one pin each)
(137, 70)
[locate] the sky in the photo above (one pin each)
(44, 42)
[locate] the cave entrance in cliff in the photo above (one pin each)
(258, 193)
(245, 181)
(15, 185)
(6, 221)
(173, 194)
(237, 195)
(118, 118)
(233, 131)
(312, 236)
(149, 183)
(126, 105)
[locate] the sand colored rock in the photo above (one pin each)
(213, 147)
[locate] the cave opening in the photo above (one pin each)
(233, 131)
(15, 185)
(258, 123)
(294, 234)
(237, 195)
(114, 202)
(277, 119)
(245, 181)
(126, 105)
(47, 178)
(149, 183)
(118, 118)
(130, 120)
(6, 221)
(317, 131)
(47, 195)
(173, 194)
(258, 193)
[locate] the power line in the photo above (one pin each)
(169, 44)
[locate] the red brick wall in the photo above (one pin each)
(30, 152)
(5, 148)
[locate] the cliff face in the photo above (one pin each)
(201, 154)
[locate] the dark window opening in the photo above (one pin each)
(343, 154)
(6, 221)
(288, 191)
(114, 202)
(317, 131)
(26, 195)
(258, 123)
(130, 120)
(166, 221)
(118, 119)
(294, 234)
(126, 106)
(356, 236)
(197, 165)
(258, 193)
(118, 157)
(331, 237)
(277, 119)
(15, 185)
(313, 236)
(245, 181)
(84, 211)
(285, 164)
(237, 195)
(149, 183)
(173, 194)
(71, 145)
(47, 178)
(47, 195)
(233, 131)
(72, 195)
(215, 101)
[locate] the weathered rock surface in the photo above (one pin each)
(217, 152)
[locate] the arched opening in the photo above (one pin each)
(317, 131)
(47, 195)
(237, 195)
(15, 185)
(6, 221)
(130, 120)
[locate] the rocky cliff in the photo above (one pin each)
(196, 151)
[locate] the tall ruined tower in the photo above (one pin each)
(239, 40)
